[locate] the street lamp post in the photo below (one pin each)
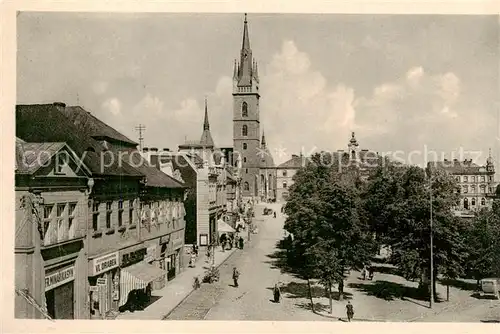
(431, 301)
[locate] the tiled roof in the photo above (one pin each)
(94, 126)
(295, 162)
(458, 167)
(46, 123)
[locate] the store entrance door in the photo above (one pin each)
(60, 302)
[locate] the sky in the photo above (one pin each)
(411, 84)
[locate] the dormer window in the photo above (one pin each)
(61, 161)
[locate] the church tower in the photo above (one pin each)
(246, 123)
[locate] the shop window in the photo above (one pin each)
(244, 146)
(109, 211)
(71, 220)
(95, 216)
(120, 213)
(244, 131)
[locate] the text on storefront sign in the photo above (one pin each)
(105, 263)
(59, 278)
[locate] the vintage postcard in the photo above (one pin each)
(223, 163)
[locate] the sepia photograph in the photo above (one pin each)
(234, 166)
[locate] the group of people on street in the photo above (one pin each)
(367, 272)
(231, 241)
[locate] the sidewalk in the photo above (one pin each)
(176, 290)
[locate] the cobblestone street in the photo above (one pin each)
(259, 272)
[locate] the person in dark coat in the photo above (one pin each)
(350, 311)
(241, 243)
(277, 293)
(236, 276)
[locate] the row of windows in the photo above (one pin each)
(474, 178)
(482, 189)
(59, 222)
(473, 203)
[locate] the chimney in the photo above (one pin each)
(295, 156)
(60, 106)
(154, 160)
(166, 149)
(153, 149)
(145, 149)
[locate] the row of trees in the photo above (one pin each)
(339, 222)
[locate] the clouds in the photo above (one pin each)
(112, 106)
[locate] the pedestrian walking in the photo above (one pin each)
(274, 214)
(350, 311)
(371, 272)
(192, 260)
(196, 283)
(277, 293)
(241, 242)
(209, 253)
(363, 273)
(236, 275)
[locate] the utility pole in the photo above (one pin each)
(432, 242)
(141, 128)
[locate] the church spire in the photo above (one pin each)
(263, 141)
(246, 63)
(206, 136)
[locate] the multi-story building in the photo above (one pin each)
(52, 187)
(203, 168)
(285, 173)
(476, 184)
(258, 172)
(134, 215)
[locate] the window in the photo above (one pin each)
(490, 189)
(47, 217)
(244, 146)
(246, 170)
(120, 213)
(284, 173)
(466, 204)
(353, 154)
(109, 211)
(472, 189)
(473, 201)
(284, 185)
(457, 178)
(466, 189)
(61, 230)
(244, 109)
(483, 201)
(482, 178)
(483, 189)
(246, 186)
(244, 159)
(473, 179)
(244, 130)
(95, 216)
(465, 179)
(71, 218)
(61, 161)
(490, 178)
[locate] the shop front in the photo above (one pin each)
(137, 277)
(153, 257)
(59, 292)
(104, 278)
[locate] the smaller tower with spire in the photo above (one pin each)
(353, 147)
(490, 166)
(206, 137)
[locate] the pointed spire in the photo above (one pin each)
(206, 125)
(235, 70)
(246, 40)
(256, 71)
(263, 141)
(206, 137)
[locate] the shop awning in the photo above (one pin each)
(224, 227)
(135, 277)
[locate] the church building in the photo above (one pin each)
(258, 172)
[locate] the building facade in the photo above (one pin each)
(258, 174)
(284, 175)
(476, 184)
(52, 186)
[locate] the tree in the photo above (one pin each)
(397, 203)
(483, 240)
(324, 216)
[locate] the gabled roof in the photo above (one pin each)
(458, 167)
(93, 126)
(47, 123)
(295, 162)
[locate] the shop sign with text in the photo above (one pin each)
(59, 277)
(104, 263)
